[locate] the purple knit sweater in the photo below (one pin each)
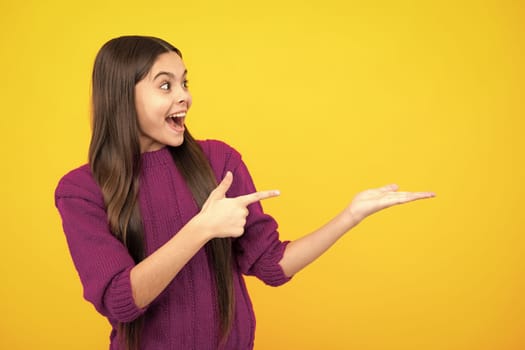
(184, 315)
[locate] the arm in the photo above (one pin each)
(305, 250)
(153, 274)
(219, 217)
(112, 282)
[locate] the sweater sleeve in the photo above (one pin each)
(259, 250)
(101, 260)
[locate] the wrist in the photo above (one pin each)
(198, 227)
(349, 219)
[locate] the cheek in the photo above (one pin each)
(154, 107)
(142, 122)
(141, 113)
(144, 116)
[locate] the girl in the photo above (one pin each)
(162, 227)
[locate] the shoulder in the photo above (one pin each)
(220, 153)
(217, 147)
(79, 183)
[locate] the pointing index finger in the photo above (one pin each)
(248, 199)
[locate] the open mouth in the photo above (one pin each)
(176, 121)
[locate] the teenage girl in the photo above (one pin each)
(162, 227)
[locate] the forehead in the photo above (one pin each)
(168, 62)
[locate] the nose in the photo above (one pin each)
(183, 96)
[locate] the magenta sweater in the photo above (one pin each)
(184, 315)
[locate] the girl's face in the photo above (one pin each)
(162, 100)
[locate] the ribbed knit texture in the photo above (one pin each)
(184, 315)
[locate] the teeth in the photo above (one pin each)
(178, 115)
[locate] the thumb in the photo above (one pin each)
(220, 191)
(389, 188)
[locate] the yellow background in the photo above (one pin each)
(323, 99)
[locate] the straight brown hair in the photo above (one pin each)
(114, 158)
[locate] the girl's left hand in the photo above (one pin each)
(371, 201)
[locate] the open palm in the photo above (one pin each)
(371, 201)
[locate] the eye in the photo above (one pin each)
(186, 83)
(165, 86)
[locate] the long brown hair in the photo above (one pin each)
(114, 157)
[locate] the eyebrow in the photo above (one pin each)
(169, 74)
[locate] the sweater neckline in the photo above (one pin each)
(158, 157)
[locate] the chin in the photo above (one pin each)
(176, 143)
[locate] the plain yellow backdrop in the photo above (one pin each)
(323, 99)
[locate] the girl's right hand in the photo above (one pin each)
(222, 217)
